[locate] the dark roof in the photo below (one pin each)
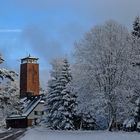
(29, 57)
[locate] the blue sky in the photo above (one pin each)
(49, 28)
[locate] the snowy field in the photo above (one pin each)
(43, 134)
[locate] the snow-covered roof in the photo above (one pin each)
(31, 106)
(15, 117)
(28, 106)
(29, 57)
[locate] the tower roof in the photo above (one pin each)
(29, 59)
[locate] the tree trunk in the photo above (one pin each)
(111, 124)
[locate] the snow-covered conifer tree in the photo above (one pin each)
(88, 122)
(68, 108)
(60, 104)
(135, 61)
(136, 27)
(132, 123)
(137, 110)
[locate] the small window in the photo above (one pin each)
(35, 113)
(39, 113)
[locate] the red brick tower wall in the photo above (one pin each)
(29, 79)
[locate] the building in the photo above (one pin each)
(29, 77)
(32, 103)
(31, 114)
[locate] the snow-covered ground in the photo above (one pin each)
(44, 134)
(2, 130)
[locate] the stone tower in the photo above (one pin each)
(29, 77)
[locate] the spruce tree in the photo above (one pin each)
(88, 121)
(136, 43)
(136, 28)
(137, 111)
(68, 109)
(60, 102)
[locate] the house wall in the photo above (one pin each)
(30, 122)
(32, 116)
(16, 123)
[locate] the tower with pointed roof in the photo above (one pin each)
(29, 77)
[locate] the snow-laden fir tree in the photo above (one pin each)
(136, 27)
(68, 108)
(135, 61)
(61, 102)
(87, 121)
(137, 110)
(137, 114)
(132, 123)
(136, 40)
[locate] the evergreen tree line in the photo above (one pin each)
(100, 89)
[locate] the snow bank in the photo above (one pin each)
(2, 130)
(44, 134)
